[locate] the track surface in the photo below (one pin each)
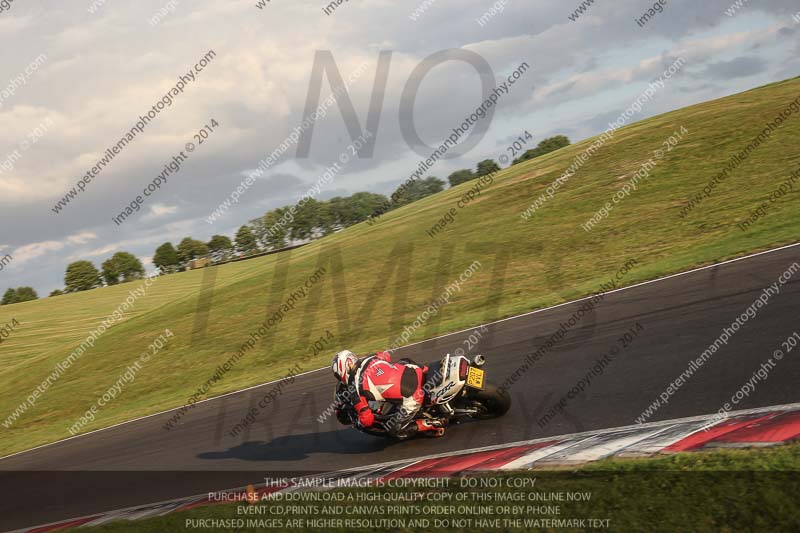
(681, 316)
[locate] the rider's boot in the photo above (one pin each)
(431, 427)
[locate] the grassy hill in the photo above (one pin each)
(379, 277)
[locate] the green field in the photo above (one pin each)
(380, 277)
(727, 490)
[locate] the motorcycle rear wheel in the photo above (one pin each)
(492, 402)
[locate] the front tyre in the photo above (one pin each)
(491, 402)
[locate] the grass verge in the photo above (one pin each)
(725, 490)
(381, 277)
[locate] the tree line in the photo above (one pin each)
(278, 228)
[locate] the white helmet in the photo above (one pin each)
(343, 363)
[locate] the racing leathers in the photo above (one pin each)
(376, 378)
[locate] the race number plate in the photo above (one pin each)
(475, 378)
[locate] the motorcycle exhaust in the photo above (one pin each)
(479, 360)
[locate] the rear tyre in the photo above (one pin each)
(492, 402)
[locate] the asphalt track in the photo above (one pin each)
(141, 462)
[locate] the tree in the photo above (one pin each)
(340, 210)
(20, 294)
(189, 249)
(109, 272)
(272, 229)
(246, 241)
(486, 167)
(325, 223)
(26, 294)
(128, 266)
(220, 243)
(166, 258)
(81, 276)
(461, 176)
(10, 297)
(57, 292)
(311, 219)
(417, 190)
(354, 209)
(548, 145)
(277, 235)
(122, 264)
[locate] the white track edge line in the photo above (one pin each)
(536, 311)
(698, 418)
(405, 463)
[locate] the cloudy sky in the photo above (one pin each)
(100, 64)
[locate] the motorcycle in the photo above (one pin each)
(455, 390)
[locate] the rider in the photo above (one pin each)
(376, 378)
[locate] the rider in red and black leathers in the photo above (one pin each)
(376, 378)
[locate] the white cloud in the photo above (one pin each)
(115, 66)
(82, 237)
(159, 210)
(9, 24)
(103, 250)
(30, 251)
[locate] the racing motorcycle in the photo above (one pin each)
(455, 390)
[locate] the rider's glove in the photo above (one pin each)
(365, 415)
